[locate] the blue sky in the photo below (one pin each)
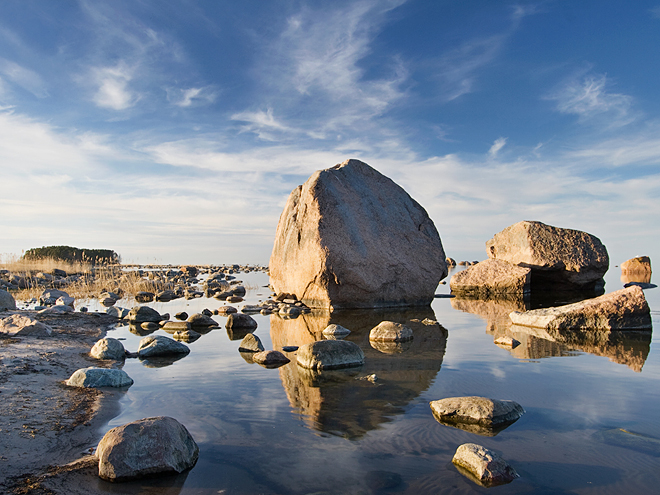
(173, 132)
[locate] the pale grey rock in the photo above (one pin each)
(485, 466)
(352, 238)
(390, 331)
(24, 326)
(99, 377)
(476, 410)
(625, 309)
(270, 359)
(251, 343)
(159, 345)
(227, 310)
(555, 254)
(491, 278)
(335, 331)
(330, 354)
(108, 348)
(7, 301)
(506, 341)
(251, 308)
(144, 448)
(242, 321)
(57, 309)
(117, 312)
(181, 326)
(140, 314)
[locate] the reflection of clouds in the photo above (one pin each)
(338, 403)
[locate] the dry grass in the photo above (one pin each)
(89, 281)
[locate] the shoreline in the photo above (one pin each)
(47, 425)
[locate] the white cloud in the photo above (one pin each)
(655, 12)
(191, 97)
(23, 77)
(587, 97)
(496, 147)
(112, 87)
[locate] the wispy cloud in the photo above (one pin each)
(191, 97)
(23, 77)
(496, 147)
(588, 98)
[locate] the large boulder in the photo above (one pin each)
(625, 309)
(99, 377)
(350, 237)
(478, 415)
(491, 278)
(555, 255)
(7, 301)
(483, 465)
(108, 348)
(159, 345)
(330, 354)
(24, 326)
(146, 447)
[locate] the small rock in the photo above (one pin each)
(486, 466)
(202, 320)
(234, 299)
(176, 326)
(144, 296)
(270, 358)
(143, 313)
(7, 301)
(149, 325)
(227, 310)
(159, 345)
(389, 331)
(251, 343)
(108, 348)
(186, 335)
(336, 331)
(146, 447)
(57, 309)
(99, 377)
(290, 348)
(330, 354)
(488, 413)
(181, 315)
(507, 341)
(242, 321)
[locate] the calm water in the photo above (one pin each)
(288, 431)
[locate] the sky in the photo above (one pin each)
(174, 131)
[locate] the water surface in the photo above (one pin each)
(291, 431)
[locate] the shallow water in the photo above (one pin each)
(288, 431)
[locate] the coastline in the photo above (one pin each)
(45, 424)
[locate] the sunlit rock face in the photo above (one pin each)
(346, 402)
(350, 237)
(636, 270)
(557, 256)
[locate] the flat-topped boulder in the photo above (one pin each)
(625, 309)
(330, 354)
(350, 237)
(270, 359)
(147, 447)
(159, 345)
(555, 255)
(24, 326)
(484, 466)
(479, 415)
(490, 279)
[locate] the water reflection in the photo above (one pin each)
(337, 401)
(638, 276)
(630, 348)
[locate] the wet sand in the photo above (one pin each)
(45, 425)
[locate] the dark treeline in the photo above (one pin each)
(73, 254)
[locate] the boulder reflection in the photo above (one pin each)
(341, 402)
(630, 348)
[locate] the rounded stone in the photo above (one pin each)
(99, 377)
(390, 331)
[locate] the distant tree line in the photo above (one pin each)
(73, 254)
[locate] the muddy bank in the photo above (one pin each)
(43, 423)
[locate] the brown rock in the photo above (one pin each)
(390, 331)
(352, 238)
(554, 254)
(625, 309)
(24, 326)
(639, 264)
(270, 359)
(483, 465)
(491, 278)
